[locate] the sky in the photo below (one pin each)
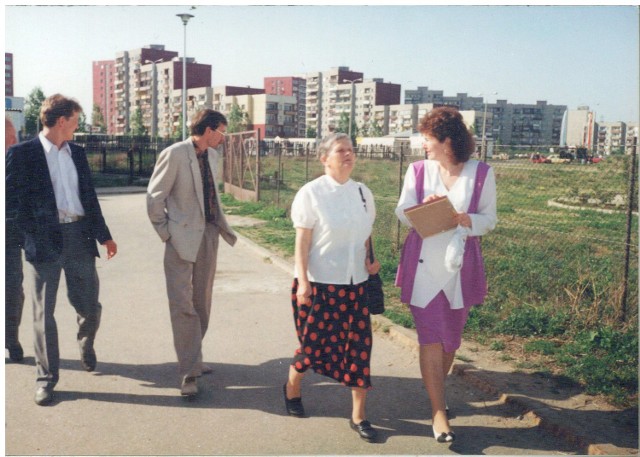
(567, 55)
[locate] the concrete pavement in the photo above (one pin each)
(131, 404)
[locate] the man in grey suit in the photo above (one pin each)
(184, 208)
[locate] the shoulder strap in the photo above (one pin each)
(418, 169)
(481, 174)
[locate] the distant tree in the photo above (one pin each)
(32, 111)
(343, 126)
(363, 130)
(137, 124)
(82, 122)
(237, 119)
(97, 119)
(374, 129)
(311, 132)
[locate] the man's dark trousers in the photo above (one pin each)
(79, 264)
(13, 292)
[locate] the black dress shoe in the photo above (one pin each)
(15, 352)
(293, 405)
(88, 358)
(44, 396)
(364, 429)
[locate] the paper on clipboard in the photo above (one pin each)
(432, 218)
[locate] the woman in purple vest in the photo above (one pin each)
(438, 282)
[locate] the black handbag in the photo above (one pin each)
(373, 285)
(375, 296)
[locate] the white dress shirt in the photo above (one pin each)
(341, 225)
(431, 274)
(64, 177)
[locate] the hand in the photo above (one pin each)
(303, 294)
(112, 248)
(462, 219)
(431, 197)
(372, 268)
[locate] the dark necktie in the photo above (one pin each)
(208, 189)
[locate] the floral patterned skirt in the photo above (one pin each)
(334, 333)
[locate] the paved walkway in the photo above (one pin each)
(131, 405)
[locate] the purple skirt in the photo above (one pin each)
(438, 323)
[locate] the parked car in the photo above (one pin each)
(539, 158)
(555, 158)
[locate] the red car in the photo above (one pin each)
(539, 158)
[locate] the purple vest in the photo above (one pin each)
(472, 276)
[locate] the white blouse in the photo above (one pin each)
(341, 225)
(431, 275)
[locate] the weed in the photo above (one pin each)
(497, 345)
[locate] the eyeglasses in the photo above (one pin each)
(221, 133)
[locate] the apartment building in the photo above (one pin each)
(8, 74)
(632, 135)
(146, 79)
(579, 129)
(398, 119)
(525, 124)
(461, 101)
(339, 90)
(610, 137)
(291, 86)
(104, 93)
(273, 115)
(159, 92)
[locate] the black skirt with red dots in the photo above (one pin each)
(334, 333)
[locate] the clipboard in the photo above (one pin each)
(431, 218)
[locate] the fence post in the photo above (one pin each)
(278, 176)
(399, 192)
(104, 159)
(131, 164)
(306, 165)
(632, 184)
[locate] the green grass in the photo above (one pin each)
(555, 275)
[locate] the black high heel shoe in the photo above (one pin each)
(293, 405)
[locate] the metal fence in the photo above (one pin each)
(567, 236)
(122, 155)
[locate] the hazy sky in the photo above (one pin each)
(569, 55)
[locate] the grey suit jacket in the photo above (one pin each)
(175, 200)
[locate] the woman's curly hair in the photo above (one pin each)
(446, 122)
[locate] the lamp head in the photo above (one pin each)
(185, 17)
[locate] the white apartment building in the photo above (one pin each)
(339, 90)
(610, 137)
(579, 128)
(147, 79)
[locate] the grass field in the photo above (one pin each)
(555, 274)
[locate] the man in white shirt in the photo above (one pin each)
(52, 201)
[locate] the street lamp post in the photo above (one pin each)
(185, 18)
(353, 101)
(483, 151)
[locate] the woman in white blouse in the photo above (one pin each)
(441, 292)
(333, 216)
